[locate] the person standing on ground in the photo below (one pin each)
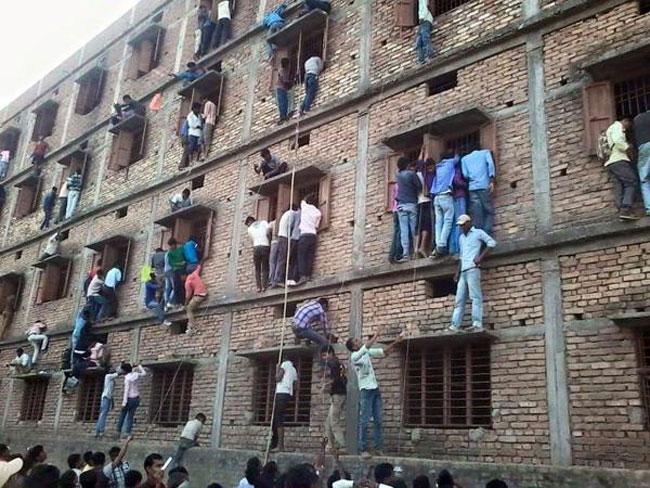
(310, 217)
(259, 230)
(74, 184)
(286, 376)
(116, 470)
(408, 189)
(307, 316)
(313, 68)
(49, 201)
(335, 421)
(106, 403)
(189, 437)
(209, 121)
(478, 169)
(474, 246)
(131, 398)
(195, 294)
(370, 404)
(642, 139)
(423, 44)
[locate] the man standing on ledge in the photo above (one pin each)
(369, 394)
(474, 245)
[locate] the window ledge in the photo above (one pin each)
(169, 362)
(192, 212)
(206, 83)
(449, 338)
(132, 123)
(269, 187)
(150, 32)
(75, 152)
(632, 320)
(311, 22)
(616, 61)
(56, 259)
(116, 240)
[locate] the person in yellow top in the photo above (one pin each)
(620, 168)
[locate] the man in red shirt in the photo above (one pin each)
(195, 294)
(40, 148)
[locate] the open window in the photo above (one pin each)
(9, 139)
(91, 87)
(128, 142)
(114, 250)
(298, 41)
(11, 287)
(45, 119)
(146, 50)
(455, 133)
(54, 277)
(196, 221)
(29, 190)
(209, 86)
(75, 159)
(275, 193)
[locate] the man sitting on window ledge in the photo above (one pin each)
(126, 109)
(192, 73)
(271, 166)
(181, 200)
(306, 316)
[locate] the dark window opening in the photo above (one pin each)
(28, 195)
(147, 48)
(45, 120)
(449, 386)
(278, 311)
(632, 96)
(439, 7)
(465, 143)
(158, 17)
(171, 394)
(298, 409)
(120, 213)
(442, 83)
(90, 396)
(127, 148)
(441, 287)
(198, 182)
(9, 142)
(91, 86)
(644, 371)
(64, 234)
(644, 6)
(35, 391)
(53, 281)
(19, 255)
(178, 327)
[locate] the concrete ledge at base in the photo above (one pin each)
(226, 466)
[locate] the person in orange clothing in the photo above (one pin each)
(195, 294)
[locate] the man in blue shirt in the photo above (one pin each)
(443, 203)
(113, 278)
(151, 293)
(274, 21)
(474, 246)
(478, 170)
(191, 253)
(48, 206)
(409, 187)
(192, 73)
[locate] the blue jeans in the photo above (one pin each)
(644, 173)
(481, 210)
(469, 281)
(157, 309)
(408, 217)
(97, 302)
(423, 47)
(270, 47)
(311, 88)
(282, 98)
(127, 416)
(460, 206)
(104, 408)
(369, 406)
(444, 208)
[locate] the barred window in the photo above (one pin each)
(90, 396)
(644, 370)
(439, 7)
(632, 96)
(465, 143)
(34, 399)
(448, 386)
(171, 394)
(298, 410)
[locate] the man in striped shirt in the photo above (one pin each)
(305, 318)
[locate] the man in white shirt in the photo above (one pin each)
(209, 121)
(259, 231)
(22, 363)
(423, 47)
(369, 394)
(222, 33)
(181, 200)
(52, 246)
(106, 404)
(195, 132)
(131, 398)
(313, 68)
(619, 167)
(189, 437)
(285, 227)
(286, 375)
(310, 217)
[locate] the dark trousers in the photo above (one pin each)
(178, 286)
(286, 247)
(261, 260)
(222, 33)
(63, 205)
(324, 6)
(282, 98)
(207, 31)
(625, 182)
(47, 217)
(481, 210)
(311, 88)
(281, 402)
(108, 309)
(306, 254)
(395, 252)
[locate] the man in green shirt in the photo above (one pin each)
(176, 260)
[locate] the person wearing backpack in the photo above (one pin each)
(619, 166)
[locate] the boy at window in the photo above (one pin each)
(51, 248)
(74, 183)
(195, 132)
(270, 166)
(642, 139)
(423, 46)
(259, 231)
(409, 187)
(37, 338)
(313, 68)
(192, 73)
(286, 376)
(310, 217)
(478, 170)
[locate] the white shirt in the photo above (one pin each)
(95, 286)
(288, 378)
(5, 156)
(284, 227)
(363, 366)
(259, 232)
(113, 277)
(52, 245)
(423, 11)
(192, 429)
(309, 218)
(314, 65)
(22, 360)
(195, 125)
(223, 10)
(243, 483)
(109, 384)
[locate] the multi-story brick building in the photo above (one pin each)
(561, 376)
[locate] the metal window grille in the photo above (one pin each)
(632, 96)
(34, 399)
(449, 387)
(644, 371)
(90, 397)
(439, 7)
(170, 398)
(298, 410)
(465, 143)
